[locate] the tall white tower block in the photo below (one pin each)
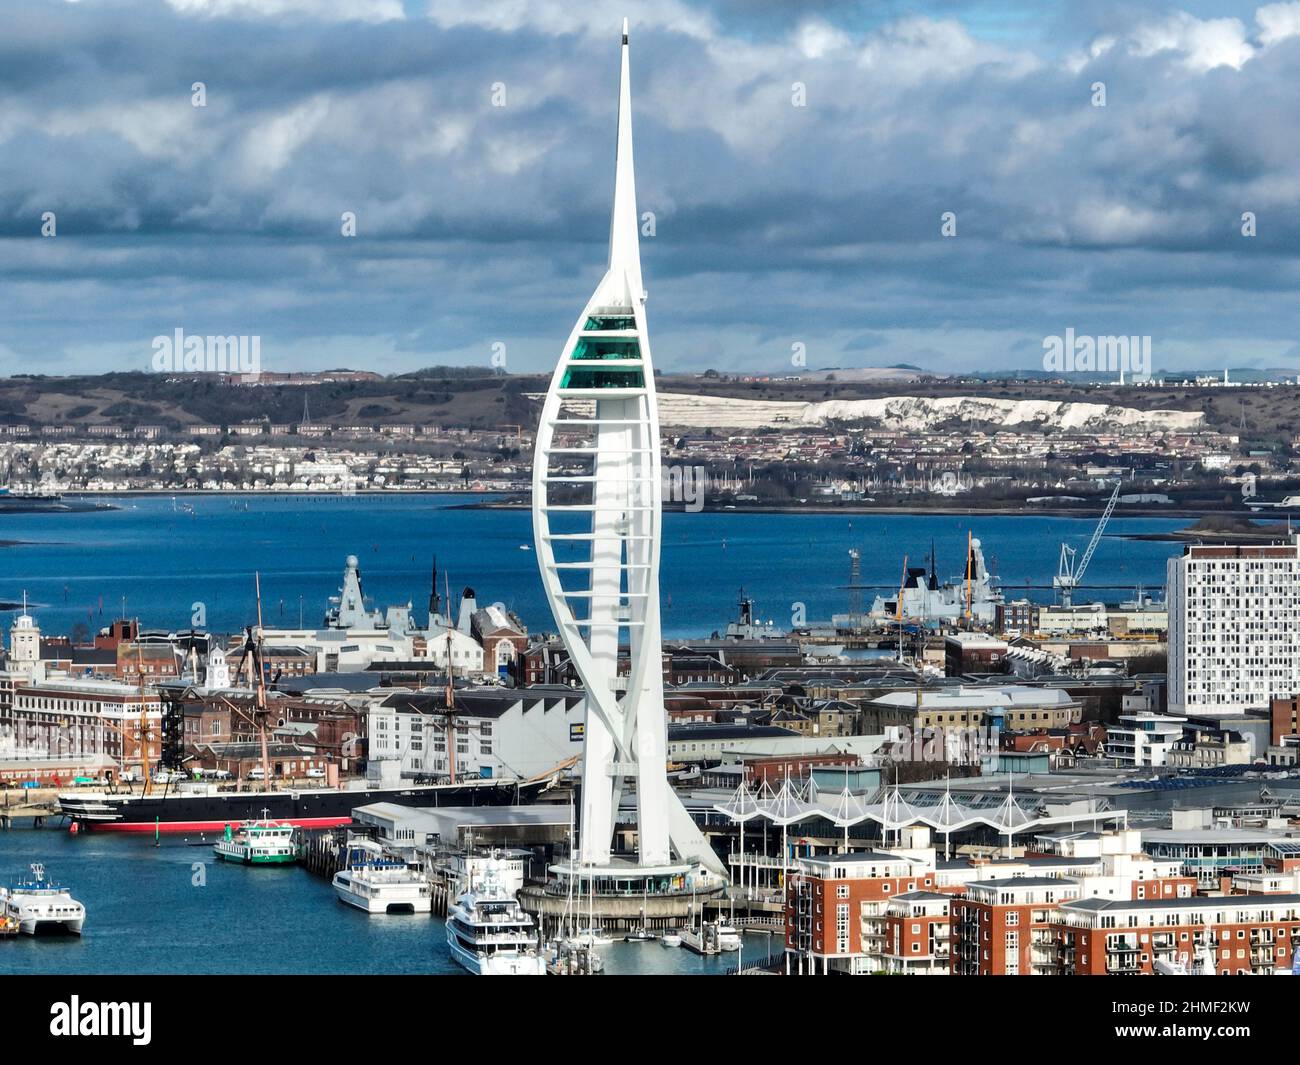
(597, 496)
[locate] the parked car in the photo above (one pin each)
(316, 773)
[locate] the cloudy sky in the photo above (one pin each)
(776, 224)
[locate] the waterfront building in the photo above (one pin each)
(492, 732)
(59, 717)
(902, 909)
(1234, 626)
(918, 934)
(1247, 934)
(1208, 854)
(837, 906)
(23, 665)
(597, 515)
(1003, 927)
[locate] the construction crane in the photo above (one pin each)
(1068, 575)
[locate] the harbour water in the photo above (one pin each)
(165, 560)
(174, 909)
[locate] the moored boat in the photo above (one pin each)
(37, 904)
(208, 808)
(373, 882)
(488, 932)
(263, 842)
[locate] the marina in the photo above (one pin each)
(289, 923)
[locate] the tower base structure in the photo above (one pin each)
(621, 896)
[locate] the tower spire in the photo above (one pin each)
(607, 598)
(624, 243)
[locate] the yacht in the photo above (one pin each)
(37, 904)
(263, 842)
(711, 937)
(593, 937)
(489, 934)
(378, 884)
(671, 938)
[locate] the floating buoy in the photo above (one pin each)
(74, 828)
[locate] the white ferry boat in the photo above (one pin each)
(37, 904)
(263, 842)
(378, 884)
(489, 934)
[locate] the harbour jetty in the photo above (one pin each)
(325, 853)
(35, 804)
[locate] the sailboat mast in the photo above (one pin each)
(144, 715)
(450, 699)
(261, 687)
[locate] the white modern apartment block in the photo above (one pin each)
(1143, 740)
(1234, 627)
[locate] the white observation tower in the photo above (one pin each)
(597, 497)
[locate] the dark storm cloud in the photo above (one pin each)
(775, 223)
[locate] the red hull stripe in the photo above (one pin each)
(208, 826)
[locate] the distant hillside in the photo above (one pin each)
(454, 396)
(474, 398)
